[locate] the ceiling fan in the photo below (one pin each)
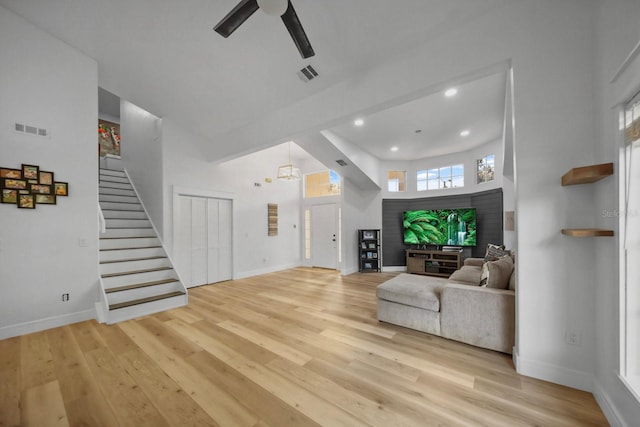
(282, 8)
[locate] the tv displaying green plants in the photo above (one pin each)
(442, 227)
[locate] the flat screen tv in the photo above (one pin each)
(450, 227)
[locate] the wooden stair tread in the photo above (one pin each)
(126, 273)
(145, 300)
(126, 249)
(132, 259)
(132, 237)
(139, 285)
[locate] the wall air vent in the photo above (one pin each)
(307, 74)
(31, 130)
(341, 162)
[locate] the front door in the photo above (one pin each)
(324, 236)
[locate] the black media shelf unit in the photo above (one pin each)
(369, 252)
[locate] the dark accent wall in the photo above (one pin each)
(488, 206)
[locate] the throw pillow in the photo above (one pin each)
(485, 275)
(499, 272)
(495, 252)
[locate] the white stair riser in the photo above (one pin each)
(148, 291)
(113, 178)
(121, 206)
(111, 214)
(123, 185)
(131, 279)
(120, 267)
(109, 172)
(128, 232)
(142, 242)
(116, 191)
(121, 199)
(132, 312)
(131, 253)
(128, 223)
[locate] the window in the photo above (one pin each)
(629, 218)
(486, 168)
(321, 184)
(440, 178)
(397, 181)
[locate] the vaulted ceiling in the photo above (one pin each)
(164, 56)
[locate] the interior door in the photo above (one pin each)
(203, 245)
(219, 240)
(324, 236)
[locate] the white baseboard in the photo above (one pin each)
(266, 270)
(607, 407)
(44, 324)
(553, 373)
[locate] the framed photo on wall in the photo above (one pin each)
(61, 188)
(10, 173)
(30, 172)
(46, 199)
(26, 201)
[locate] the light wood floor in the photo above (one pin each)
(300, 347)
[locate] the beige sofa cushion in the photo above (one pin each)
(496, 274)
(467, 275)
(412, 290)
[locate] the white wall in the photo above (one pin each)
(46, 83)
(254, 251)
(617, 34)
(550, 45)
(141, 151)
(468, 158)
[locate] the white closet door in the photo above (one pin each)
(203, 246)
(182, 245)
(225, 240)
(199, 255)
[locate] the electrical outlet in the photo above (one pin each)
(573, 338)
(65, 297)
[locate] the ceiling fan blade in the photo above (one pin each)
(236, 17)
(291, 21)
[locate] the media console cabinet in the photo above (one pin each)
(433, 263)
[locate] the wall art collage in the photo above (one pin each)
(30, 186)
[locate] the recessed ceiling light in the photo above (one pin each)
(394, 149)
(358, 122)
(451, 92)
(465, 133)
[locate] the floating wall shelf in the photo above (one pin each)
(587, 174)
(587, 232)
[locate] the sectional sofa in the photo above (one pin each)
(476, 305)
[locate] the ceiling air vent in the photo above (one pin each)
(307, 74)
(341, 162)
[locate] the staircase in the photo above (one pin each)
(136, 275)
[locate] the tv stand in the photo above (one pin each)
(433, 263)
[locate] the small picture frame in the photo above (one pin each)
(26, 201)
(368, 234)
(24, 192)
(46, 178)
(15, 184)
(40, 189)
(9, 195)
(10, 173)
(61, 188)
(30, 171)
(46, 199)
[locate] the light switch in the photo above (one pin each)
(82, 242)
